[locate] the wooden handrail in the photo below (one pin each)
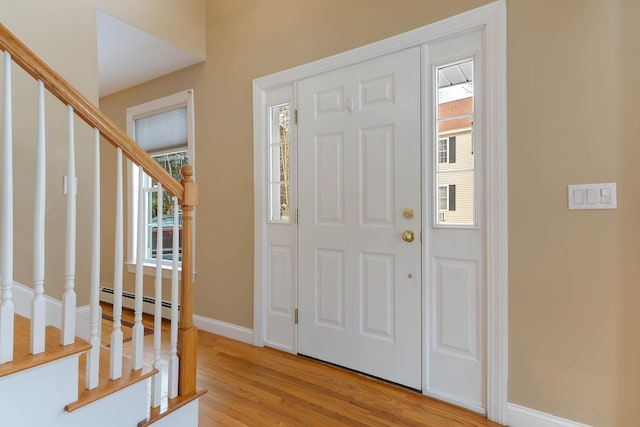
(186, 191)
(65, 92)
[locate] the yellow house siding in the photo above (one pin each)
(463, 213)
(461, 175)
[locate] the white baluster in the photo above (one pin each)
(38, 304)
(138, 329)
(93, 355)
(156, 387)
(6, 246)
(69, 296)
(174, 363)
(115, 365)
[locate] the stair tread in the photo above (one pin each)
(107, 386)
(22, 357)
(171, 406)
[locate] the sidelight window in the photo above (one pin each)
(280, 163)
(454, 149)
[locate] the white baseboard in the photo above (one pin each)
(519, 416)
(22, 296)
(229, 330)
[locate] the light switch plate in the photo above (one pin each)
(593, 196)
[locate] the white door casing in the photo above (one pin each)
(359, 286)
(491, 19)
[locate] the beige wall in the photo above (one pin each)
(566, 268)
(628, 319)
(63, 33)
(115, 106)
(574, 346)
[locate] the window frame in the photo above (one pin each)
(167, 103)
(449, 150)
(450, 201)
(148, 190)
(443, 150)
(444, 187)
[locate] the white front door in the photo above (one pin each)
(368, 300)
(359, 200)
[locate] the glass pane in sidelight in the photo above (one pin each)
(279, 163)
(454, 162)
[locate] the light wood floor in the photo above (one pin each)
(252, 386)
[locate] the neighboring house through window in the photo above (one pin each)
(447, 197)
(164, 129)
(447, 150)
(454, 145)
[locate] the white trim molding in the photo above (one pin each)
(228, 330)
(519, 416)
(497, 214)
(22, 296)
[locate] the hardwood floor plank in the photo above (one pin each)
(252, 386)
(301, 393)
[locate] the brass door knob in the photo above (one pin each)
(408, 236)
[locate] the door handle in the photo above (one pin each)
(408, 236)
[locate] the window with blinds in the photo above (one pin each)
(163, 128)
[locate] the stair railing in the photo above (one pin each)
(182, 369)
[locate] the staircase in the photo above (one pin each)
(48, 375)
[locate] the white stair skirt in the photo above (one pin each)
(37, 396)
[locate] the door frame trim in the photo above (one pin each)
(491, 17)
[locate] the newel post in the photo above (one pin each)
(187, 333)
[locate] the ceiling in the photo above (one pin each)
(128, 56)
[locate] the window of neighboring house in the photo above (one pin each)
(164, 129)
(447, 150)
(447, 198)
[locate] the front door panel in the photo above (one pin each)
(359, 168)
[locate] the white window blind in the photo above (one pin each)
(162, 132)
